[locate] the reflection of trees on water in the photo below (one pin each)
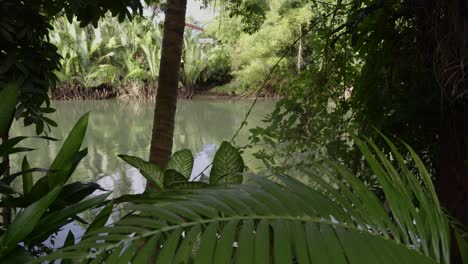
(125, 128)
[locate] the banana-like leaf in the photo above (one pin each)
(260, 222)
(75, 192)
(52, 222)
(41, 187)
(68, 152)
(182, 161)
(8, 100)
(25, 222)
(27, 177)
(227, 165)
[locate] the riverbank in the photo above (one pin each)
(145, 93)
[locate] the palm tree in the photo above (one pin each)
(169, 73)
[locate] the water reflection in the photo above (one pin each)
(118, 127)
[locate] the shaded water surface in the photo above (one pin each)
(118, 127)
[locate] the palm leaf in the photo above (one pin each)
(215, 226)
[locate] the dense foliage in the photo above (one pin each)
(122, 59)
(345, 68)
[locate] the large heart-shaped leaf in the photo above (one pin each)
(182, 161)
(227, 165)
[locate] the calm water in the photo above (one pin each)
(118, 127)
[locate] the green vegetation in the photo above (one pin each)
(335, 188)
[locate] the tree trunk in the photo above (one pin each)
(452, 178)
(169, 73)
(447, 21)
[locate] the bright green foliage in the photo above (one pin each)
(25, 222)
(30, 60)
(333, 219)
(108, 54)
(227, 168)
(124, 57)
(68, 152)
(182, 161)
(227, 165)
(49, 204)
(195, 59)
(260, 51)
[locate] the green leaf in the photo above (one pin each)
(41, 187)
(74, 192)
(149, 170)
(462, 241)
(182, 161)
(225, 245)
(18, 255)
(227, 165)
(168, 250)
(27, 177)
(187, 185)
(185, 249)
(8, 100)
(68, 152)
(25, 222)
(147, 252)
(208, 241)
(172, 176)
(6, 189)
(52, 222)
(101, 218)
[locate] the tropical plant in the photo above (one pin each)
(195, 60)
(226, 169)
(29, 59)
(44, 207)
(334, 218)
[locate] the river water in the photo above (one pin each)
(120, 127)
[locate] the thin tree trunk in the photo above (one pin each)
(169, 74)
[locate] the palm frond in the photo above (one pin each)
(335, 218)
(253, 223)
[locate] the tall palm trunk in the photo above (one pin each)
(169, 74)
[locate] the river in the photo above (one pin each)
(122, 127)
